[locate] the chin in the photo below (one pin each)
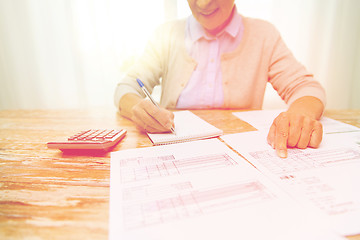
(210, 26)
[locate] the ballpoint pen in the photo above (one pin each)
(143, 88)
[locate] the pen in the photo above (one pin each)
(143, 88)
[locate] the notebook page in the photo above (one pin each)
(188, 127)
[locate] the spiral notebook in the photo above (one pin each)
(188, 127)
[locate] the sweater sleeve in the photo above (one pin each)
(148, 68)
(288, 76)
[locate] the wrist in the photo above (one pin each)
(127, 103)
(309, 106)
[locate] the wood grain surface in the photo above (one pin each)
(47, 194)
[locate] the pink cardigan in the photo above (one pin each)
(261, 57)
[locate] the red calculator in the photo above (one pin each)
(93, 139)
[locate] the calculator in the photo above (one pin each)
(92, 139)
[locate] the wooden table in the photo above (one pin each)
(45, 194)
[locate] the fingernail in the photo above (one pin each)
(282, 153)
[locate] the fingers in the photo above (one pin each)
(281, 134)
(294, 133)
(152, 119)
(294, 130)
(305, 133)
(271, 136)
(310, 134)
(278, 135)
(162, 116)
(316, 135)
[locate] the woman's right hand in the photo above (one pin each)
(150, 118)
(145, 114)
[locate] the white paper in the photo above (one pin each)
(259, 119)
(201, 190)
(325, 180)
(262, 120)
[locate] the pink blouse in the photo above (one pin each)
(204, 89)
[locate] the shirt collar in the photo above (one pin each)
(196, 31)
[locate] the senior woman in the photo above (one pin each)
(217, 58)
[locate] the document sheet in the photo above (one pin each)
(262, 120)
(324, 180)
(201, 190)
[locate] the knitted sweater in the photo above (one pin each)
(261, 57)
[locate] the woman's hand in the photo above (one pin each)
(145, 114)
(150, 118)
(298, 126)
(294, 130)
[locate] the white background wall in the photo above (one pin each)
(71, 53)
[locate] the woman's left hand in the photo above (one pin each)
(292, 129)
